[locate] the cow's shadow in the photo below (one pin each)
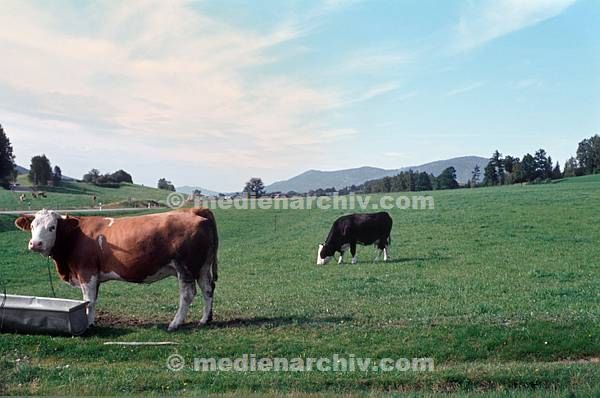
(118, 329)
(401, 260)
(277, 321)
(404, 260)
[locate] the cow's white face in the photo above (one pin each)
(322, 261)
(43, 231)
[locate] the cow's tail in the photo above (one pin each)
(212, 258)
(389, 238)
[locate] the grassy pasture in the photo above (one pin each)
(79, 195)
(499, 286)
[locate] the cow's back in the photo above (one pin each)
(370, 227)
(137, 247)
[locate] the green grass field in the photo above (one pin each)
(71, 195)
(500, 286)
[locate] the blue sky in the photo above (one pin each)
(212, 93)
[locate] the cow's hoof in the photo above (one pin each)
(204, 322)
(172, 328)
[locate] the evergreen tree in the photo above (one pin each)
(490, 175)
(556, 173)
(509, 163)
(56, 175)
(447, 179)
(543, 165)
(475, 176)
(423, 182)
(7, 160)
(527, 171)
(498, 164)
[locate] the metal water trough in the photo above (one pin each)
(42, 315)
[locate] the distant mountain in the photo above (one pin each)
(189, 190)
(314, 179)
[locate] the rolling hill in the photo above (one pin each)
(71, 195)
(190, 189)
(314, 179)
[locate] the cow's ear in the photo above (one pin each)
(24, 223)
(68, 224)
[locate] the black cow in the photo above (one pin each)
(347, 231)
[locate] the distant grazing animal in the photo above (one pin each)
(144, 249)
(22, 197)
(34, 195)
(364, 229)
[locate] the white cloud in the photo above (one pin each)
(483, 21)
(464, 89)
(161, 79)
(374, 91)
(374, 60)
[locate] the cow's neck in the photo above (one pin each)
(333, 243)
(61, 253)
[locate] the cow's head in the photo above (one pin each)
(43, 226)
(323, 255)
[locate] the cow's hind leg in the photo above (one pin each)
(384, 246)
(379, 250)
(187, 292)
(207, 285)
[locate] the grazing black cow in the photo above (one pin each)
(347, 231)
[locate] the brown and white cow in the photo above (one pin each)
(142, 249)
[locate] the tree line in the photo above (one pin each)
(539, 167)
(412, 181)
(500, 170)
(110, 180)
(41, 172)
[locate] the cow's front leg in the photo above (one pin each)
(353, 252)
(386, 254)
(187, 292)
(89, 289)
(343, 250)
